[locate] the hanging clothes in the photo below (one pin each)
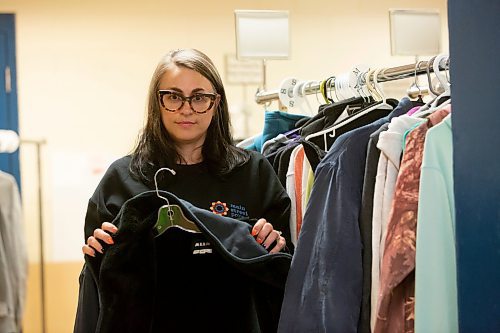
(365, 226)
(275, 122)
(390, 145)
(323, 290)
(328, 115)
(366, 119)
(395, 303)
(13, 256)
(436, 308)
(290, 189)
(301, 186)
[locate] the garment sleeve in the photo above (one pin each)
(101, 208)
(87, 312)
(277, 205)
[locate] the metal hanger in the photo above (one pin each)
(411, 90)
(171, 215)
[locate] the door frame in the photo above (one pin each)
(9, 118)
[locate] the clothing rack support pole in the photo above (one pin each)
(42, 257)
(264, 69)
(38, 144)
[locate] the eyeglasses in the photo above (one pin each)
(200, 102)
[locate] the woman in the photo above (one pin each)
(187, 130)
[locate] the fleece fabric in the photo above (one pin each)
(219, 280)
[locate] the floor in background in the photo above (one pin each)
(61, 296)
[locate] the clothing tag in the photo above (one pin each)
(351, 109)
(201, 247)
(343, 115)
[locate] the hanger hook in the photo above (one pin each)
(437, 71)
(415, 81)
(447, 70)
(428, 70)
(156, 183)
(377, 85)
(361, 83)
(328, 87)
(371, 85)
(316, 91)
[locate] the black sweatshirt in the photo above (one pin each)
(250, 192)
(219, 280)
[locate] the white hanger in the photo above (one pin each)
(371, 88)
(301, 93)
(440, 59)
(433, 105)
(360, 88)
(436, 65)
(433, 93)
(343, 86)
(299, 98)
(331, 130)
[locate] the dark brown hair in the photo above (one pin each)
(155, 147)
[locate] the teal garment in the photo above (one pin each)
(436, 308)
(408, 131)
(275, 122)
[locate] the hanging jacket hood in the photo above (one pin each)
(391, 141)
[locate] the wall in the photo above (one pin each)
(83, 73)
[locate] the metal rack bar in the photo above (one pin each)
(387, 74)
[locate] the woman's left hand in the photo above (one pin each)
(265, 234)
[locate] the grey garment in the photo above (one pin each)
(267, 146)
(365, 226)
(13, 256)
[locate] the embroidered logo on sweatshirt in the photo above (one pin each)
(229, 209)
(237, 211)
(219, 208)
(202, 248)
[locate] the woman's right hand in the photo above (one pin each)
(99, 234)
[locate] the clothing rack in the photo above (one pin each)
(386, 74)
(12, 145)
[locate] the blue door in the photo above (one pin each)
(8, 90)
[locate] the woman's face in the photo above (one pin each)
(185, 126)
